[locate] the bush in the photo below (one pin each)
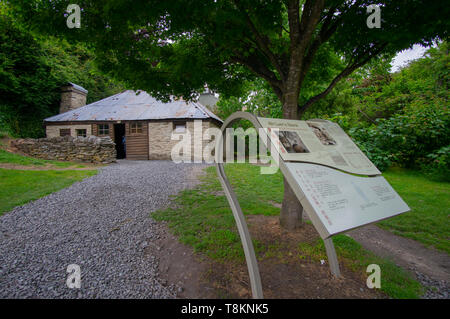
(32, 71)
(413, 139)
(438, 165)
(365, 139)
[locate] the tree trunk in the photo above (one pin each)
(291, 209)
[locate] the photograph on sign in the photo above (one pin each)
(322, 134)
(317, 141)
(291, 142)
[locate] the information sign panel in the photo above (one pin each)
(341, 201)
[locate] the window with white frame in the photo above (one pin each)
(136, 127)
(103, 129)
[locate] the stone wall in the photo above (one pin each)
(90, 149)
(161, 144)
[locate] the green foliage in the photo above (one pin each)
(401, 118)
(75, 62)
(257, 97)
(438, 167)
(32, 71)
(23, 89)
(406, 139)
(365, 139)
(175, 47)
(423, 83)
(396, 119)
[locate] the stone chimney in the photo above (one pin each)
(72, 97)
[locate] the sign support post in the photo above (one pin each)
(332, 257)
(249, 251)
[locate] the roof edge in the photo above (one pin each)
(77, 87)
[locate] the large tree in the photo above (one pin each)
(175, 47)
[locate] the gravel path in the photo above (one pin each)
(430, 266)
(101, 224)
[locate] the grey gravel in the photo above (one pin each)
(101, 224)
(434, 289)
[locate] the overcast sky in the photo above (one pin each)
(403, 57)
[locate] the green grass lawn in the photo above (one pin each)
(202, 218)
(429, 219)
(18, 187)
(12, 158)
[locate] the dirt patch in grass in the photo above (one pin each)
(283, 274)
(181, 267)
(287, 275)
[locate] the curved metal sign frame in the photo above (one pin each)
(252, 264)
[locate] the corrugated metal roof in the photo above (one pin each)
(129, 106)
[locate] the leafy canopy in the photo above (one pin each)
(32, 71)
(175, 47)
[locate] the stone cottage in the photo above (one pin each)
(140, 125)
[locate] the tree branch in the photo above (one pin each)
(328, 28)
(300, 36)
(323, 36)
(347, 71)
(260, 69)
(312, 10)
(294, 20)
(262, 43)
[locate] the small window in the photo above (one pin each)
(103, 129)
(179, 127)
(64, 132)
(136, 127)
(81, 133)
